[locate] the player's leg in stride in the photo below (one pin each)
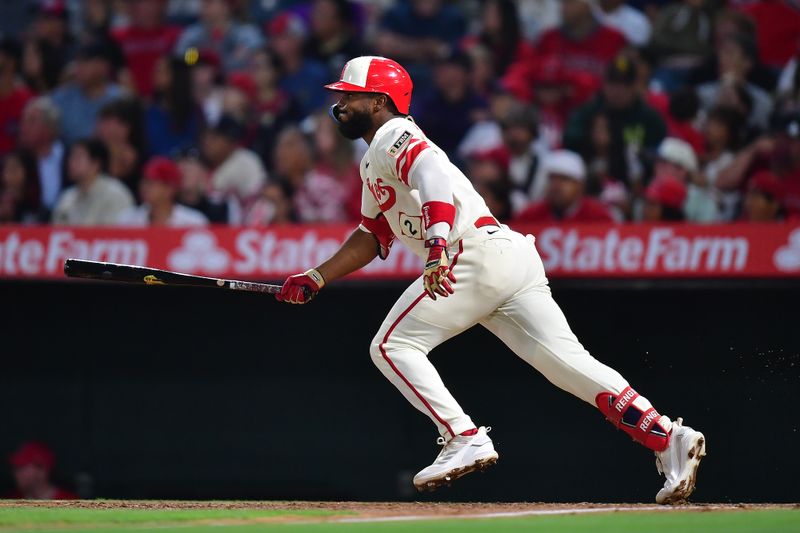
(534, 327)
(414, 326)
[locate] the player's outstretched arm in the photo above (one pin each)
(357, 252)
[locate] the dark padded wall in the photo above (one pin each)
(151, 392)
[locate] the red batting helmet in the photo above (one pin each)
(371, 74)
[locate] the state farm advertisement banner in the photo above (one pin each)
(568, 251)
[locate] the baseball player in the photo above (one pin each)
(477, 271)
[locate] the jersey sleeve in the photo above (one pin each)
(369, 207)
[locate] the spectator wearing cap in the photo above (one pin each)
(96, 199)
(13, 94)
(333, 37)
(39, 134)
(582, 43)
(547, 84)
(239, 97)
(301, 77)
(627, 20)
(143, 42)
(453, 106)
(636, 129)
(80, 100)
(737, 56)
(664, 199)
(764, 199)
(159, 189)
(779, 153)
(565, 200)
(236, 170)
(217, 31)
(173, 120)
(420, 31)
(51, 26)
(677, 160)
(32, 465)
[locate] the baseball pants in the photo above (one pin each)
(501, 284)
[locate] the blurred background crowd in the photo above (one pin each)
(188, 112)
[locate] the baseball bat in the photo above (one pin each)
(78, 268)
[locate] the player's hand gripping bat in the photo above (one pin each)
(78, 268)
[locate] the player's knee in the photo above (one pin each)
(376, 350)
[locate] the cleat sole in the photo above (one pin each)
(480, 465)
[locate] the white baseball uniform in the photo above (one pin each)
(501, 284)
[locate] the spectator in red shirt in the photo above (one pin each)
(565, 200)
(763, 200)
(664, 199)
(779, 153)
(144, 42)
(777, 28)
(32, 464)
(13, 95)
(582, 43)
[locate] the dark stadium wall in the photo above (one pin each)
(156, 392)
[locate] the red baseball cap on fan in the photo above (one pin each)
(379, 75)
(767, 183)
(33, 453)
(245, 83)
(163, 170)
(667, 191)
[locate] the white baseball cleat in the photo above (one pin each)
(679, 463)
(458, 458)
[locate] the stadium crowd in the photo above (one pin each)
(187, 112)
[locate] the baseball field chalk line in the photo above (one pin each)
(508, 514)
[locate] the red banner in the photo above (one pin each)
(574, 251)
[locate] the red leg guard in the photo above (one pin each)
(642, 426)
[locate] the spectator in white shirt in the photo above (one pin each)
(96, 199)
(159, 188)
(39, 134)
(236, 170)
(629, 21)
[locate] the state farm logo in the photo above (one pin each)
(199, 252)
(383, 194)
(659, 250)
(787, 258)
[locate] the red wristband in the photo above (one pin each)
(435, 212)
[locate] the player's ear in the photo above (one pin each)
(379, 103)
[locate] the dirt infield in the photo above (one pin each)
(397, 510)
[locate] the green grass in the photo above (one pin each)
(47, 520)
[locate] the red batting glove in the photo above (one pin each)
(437, 276)
(301, 288)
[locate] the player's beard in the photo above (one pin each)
(357, 125)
